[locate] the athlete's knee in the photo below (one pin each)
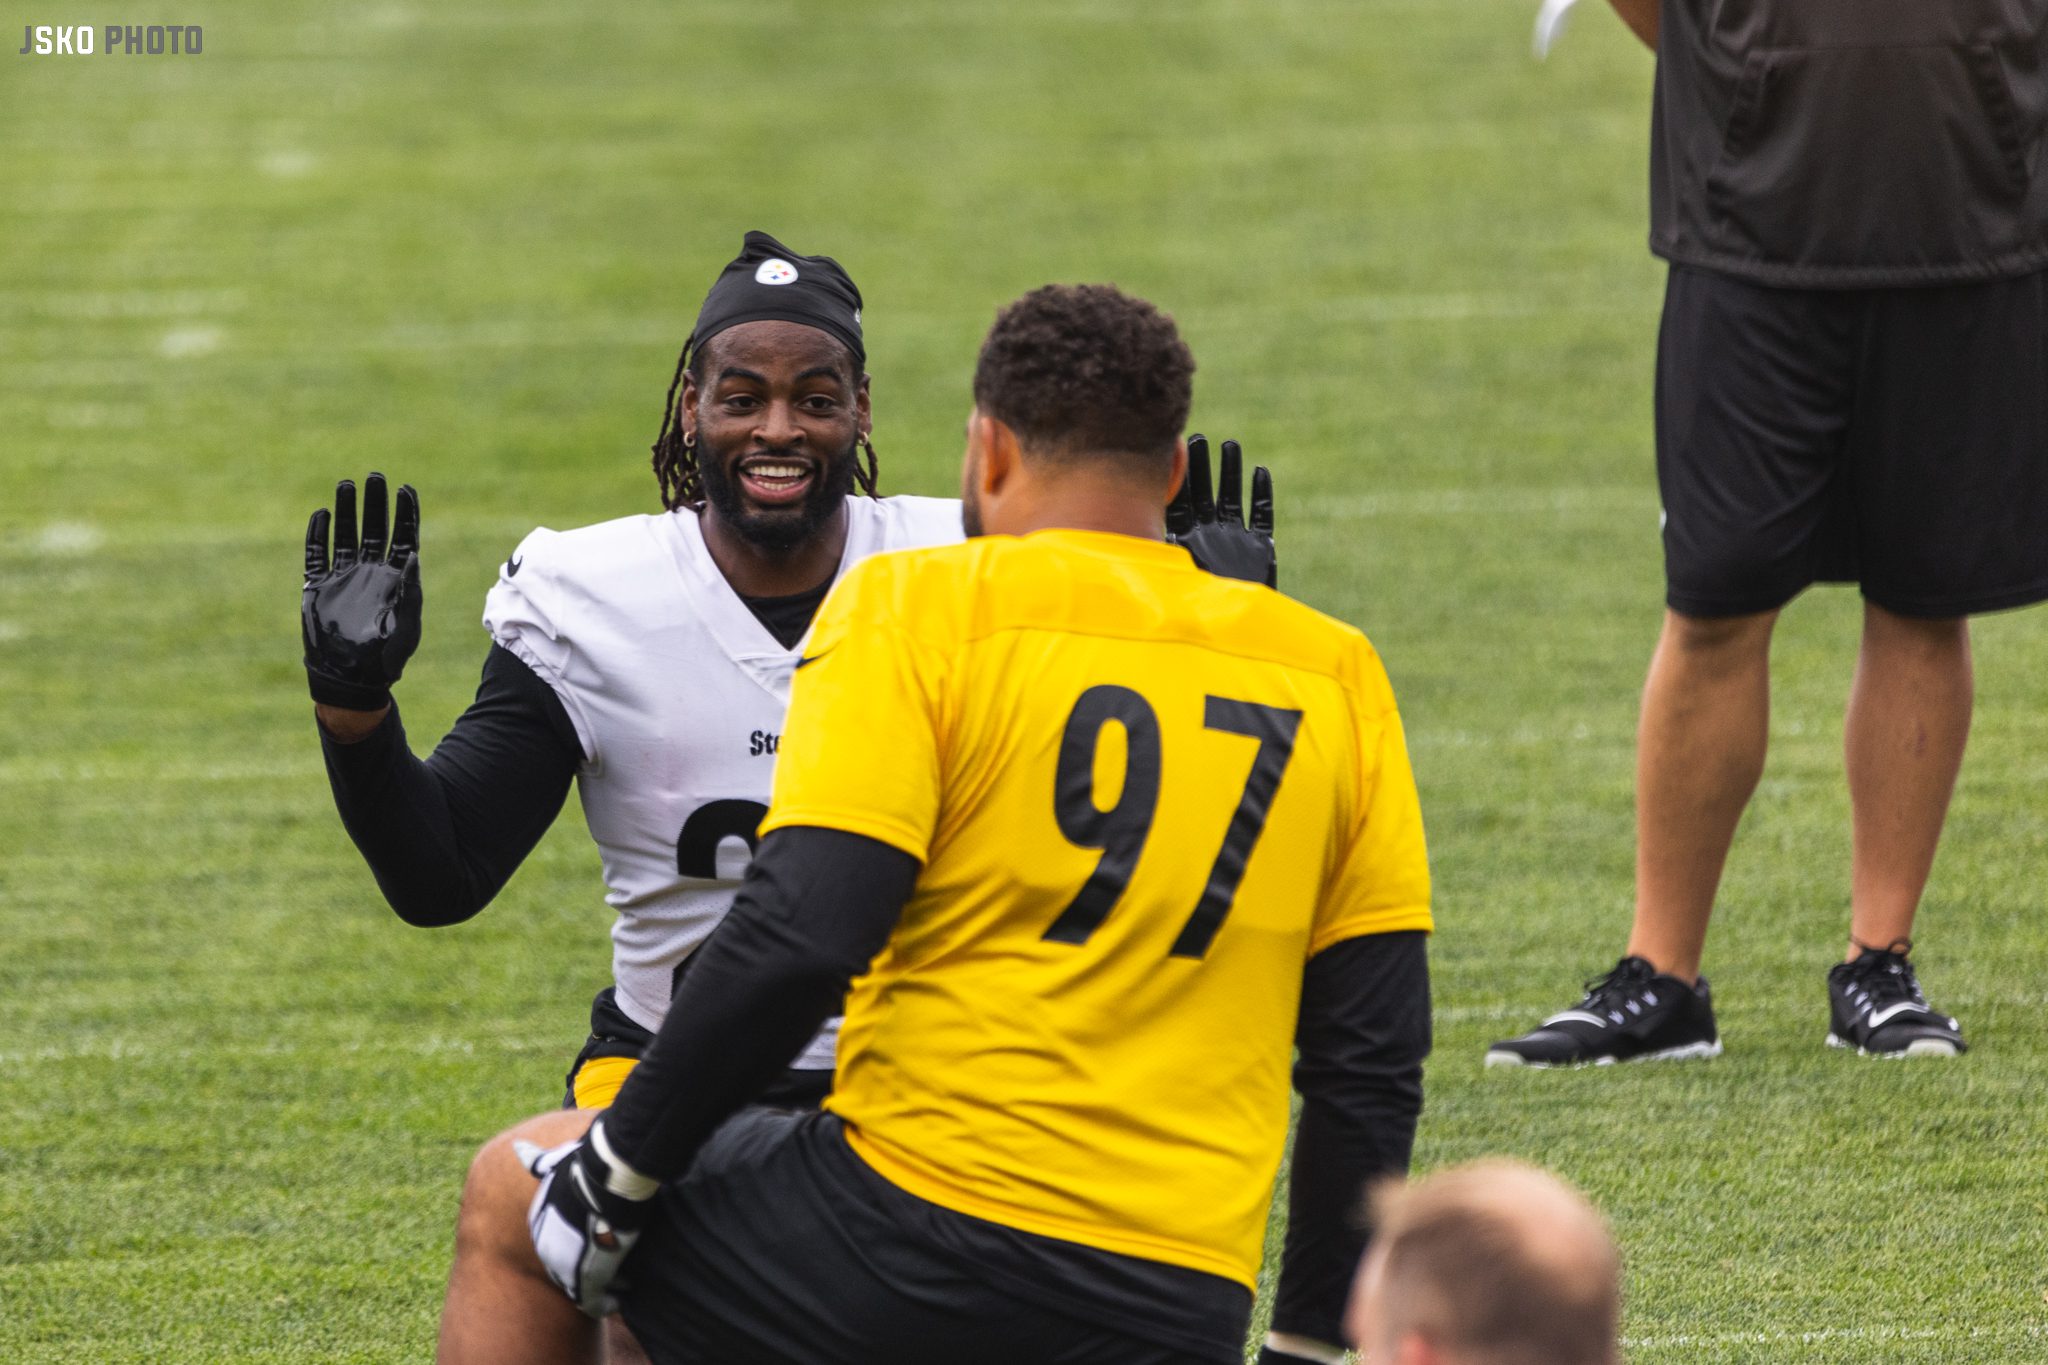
(1931, 634)
(1724, 635)
(498, 1187)
(490, 1214)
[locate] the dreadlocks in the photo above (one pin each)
(675, 463)
(675, 458)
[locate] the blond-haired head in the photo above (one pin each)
(1493, 1263)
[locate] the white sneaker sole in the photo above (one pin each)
(1919, 1047)
(1670, 1054)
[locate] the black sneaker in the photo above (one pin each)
(1876, 1007)
(1632, 1014)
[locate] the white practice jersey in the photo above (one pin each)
(677, 693)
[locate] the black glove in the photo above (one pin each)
(585, 1217)
(360, 618)
(1213, 528)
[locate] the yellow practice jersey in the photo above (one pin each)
(1144, 797)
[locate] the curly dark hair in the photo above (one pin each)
(1082, 370)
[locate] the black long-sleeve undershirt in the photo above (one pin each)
(442, 835)
(814, 909)
(1363, 1035)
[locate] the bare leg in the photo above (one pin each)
(1699, 753)
(501, 1307)
(621, 1347)
(1909, 719)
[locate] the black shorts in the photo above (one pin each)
(613, 1034)
(1896, 438)
(782, 1245)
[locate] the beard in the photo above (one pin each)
(778, 530)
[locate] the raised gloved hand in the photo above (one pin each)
(360, 612)
(1213, 528)
(586, 1216)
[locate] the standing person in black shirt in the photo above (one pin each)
(1852, 385)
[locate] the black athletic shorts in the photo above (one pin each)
(1896, 438)
(614, 1035)
(782, 1247)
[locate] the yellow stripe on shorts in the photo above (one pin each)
(598, 1080)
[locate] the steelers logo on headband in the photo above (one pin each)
(767, 282)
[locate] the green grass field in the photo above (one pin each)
(461, 244)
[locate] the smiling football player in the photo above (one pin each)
(648, 659)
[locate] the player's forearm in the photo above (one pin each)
(1641, 17)
(815, 908)
(397, 814)
(442, 836)
(1364, 1034)
(347, 726)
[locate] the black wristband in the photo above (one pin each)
(346, 695)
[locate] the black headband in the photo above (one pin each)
(770, 283)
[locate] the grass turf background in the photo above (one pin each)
(460, 243)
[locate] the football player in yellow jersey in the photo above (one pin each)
(1099, 840)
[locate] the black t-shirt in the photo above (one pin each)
(1852, 143)
(787, 618)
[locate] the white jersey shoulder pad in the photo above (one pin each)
(558, 586)
(905, 520)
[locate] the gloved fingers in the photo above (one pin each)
(598, 1278)
(540, 1160)
(1198, 480)
(316, 543)
(405, 525)
(1262, 501)
(1230, 485)
(376, 519)
(344, 523)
